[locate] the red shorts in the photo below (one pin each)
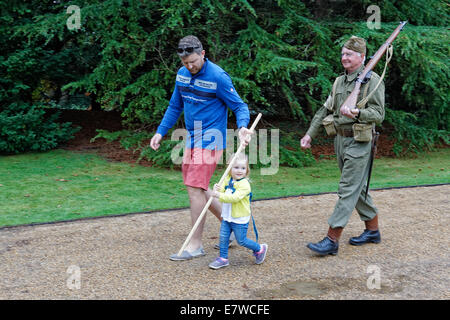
(198, 166)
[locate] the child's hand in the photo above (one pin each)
(216, 191)
(216, 194)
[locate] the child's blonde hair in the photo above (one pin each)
(242, 157)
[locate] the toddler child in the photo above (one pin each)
(234, 194)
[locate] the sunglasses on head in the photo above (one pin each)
(187, 50)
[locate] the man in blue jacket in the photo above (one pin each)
(203, 91)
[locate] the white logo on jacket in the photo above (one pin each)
(205, 84)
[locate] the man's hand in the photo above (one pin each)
(355, 111)
(245, 135)
(155, 142)
(349, 112)
(305, 142)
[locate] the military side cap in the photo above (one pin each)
(356, 44)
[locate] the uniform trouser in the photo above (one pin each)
(353, 160)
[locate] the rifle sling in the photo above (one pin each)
(361, 104)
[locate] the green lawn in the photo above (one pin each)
(63, 185)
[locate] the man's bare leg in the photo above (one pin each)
(197, 203)
(198, 198)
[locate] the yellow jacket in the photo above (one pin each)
(239, 198)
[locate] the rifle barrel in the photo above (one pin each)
(380, 52)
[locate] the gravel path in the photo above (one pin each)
(127, 257)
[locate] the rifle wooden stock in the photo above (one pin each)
(352, 98)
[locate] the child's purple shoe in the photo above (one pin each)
(219, 263)
(261, 255)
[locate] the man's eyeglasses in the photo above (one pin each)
(188, 50)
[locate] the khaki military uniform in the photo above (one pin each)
(352, 156)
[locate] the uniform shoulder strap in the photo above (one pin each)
(333, 91)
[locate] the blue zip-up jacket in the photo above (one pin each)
(204, 98)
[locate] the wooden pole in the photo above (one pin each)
(230, 165)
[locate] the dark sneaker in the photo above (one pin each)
(261, 255)
(219, 263)
(366, 237)
(324, 247)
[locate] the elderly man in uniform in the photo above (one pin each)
(352, 156)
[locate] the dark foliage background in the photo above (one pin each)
(282, 56)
